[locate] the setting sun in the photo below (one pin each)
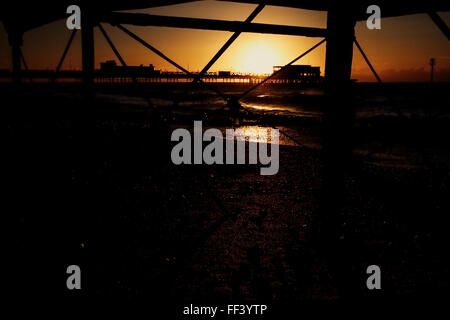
(258, 57)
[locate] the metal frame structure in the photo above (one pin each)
(17, 22)
(339, 36)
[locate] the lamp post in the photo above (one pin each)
(432, 64)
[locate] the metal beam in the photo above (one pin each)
(25, 66)
(141, 19)
(440, 23)
(367, 61)
(389, 8)
(337, 118)
(87, 52)
(113, 47)
(399, 112)
(42, 12)
(162, 55)
(122, 61)
(337, 125)
(282, 69)
(15, 40)
(153, 49)
(230, 41)
(63, 57)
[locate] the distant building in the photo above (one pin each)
(298, 72)
(224, 73)
(111, 68)
(108, 66)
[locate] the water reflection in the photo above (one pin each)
(259, 134)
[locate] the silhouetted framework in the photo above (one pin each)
(339, 37)
(140, 19)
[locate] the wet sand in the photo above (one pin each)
(94, 184)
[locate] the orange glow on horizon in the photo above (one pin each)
(400, 51)
(257, 58)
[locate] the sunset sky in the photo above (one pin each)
(400, 51)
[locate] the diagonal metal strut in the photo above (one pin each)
(399, 112)
(149, 46)
(284, 67)
(111, 44)
(66, 49)
(440, 23)
(367, 60)
(25, 65)
(122, 61)
(227, 44)
(162, 55)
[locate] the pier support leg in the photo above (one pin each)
(15, 40)
(337, 147)
(87, 48)
(337, 118)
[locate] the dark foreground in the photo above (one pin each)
(92, 184)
